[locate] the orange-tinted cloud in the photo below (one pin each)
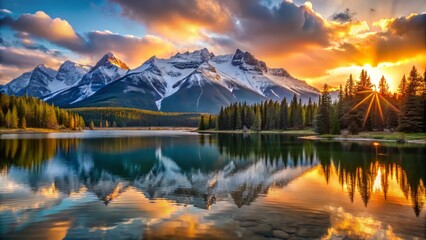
(178, 19)
(133, 50)
(43, 26)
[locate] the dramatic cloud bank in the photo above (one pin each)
(289, 34)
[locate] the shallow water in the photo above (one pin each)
(165, 184)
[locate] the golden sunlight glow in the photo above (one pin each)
(49, 192)
(377, 186)
(359, 227)
(375, 98)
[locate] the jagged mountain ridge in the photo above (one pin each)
(195, 81)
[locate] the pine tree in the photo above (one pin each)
(383, 86)
(335, 126)
(284, 114)
(402, 88)
(364, 82)
(201, 125)
(92, 125)
(351, 88)
(8, 119)
(238, 122)
(257, 124)
(71, 122)
(211, 124)
(14, 118)
(106, 124)
(1, 118)
(23, 123)
(323, 124)
(250, 116)
(412, 112)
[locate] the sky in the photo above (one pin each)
(320, 41)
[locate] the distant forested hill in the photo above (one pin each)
(130, 117)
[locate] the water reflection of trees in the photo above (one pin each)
(356, 165)
(271, 147)
(29, 153)
(364, 167)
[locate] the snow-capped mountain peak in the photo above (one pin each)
(196, 81)
(110, 59)
(42, 68)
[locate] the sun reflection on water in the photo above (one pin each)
(358, 227)
(377, 186)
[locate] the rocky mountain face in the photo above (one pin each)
(195, 81)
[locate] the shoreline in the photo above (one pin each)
(293, 132)
(360, 139)
(34, 130)
(46, 130)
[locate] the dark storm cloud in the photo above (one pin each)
(345, 16)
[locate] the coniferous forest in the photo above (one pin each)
(29, 112)
(268, 115)
(358, 108)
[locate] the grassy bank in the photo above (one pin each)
(380, 136)
(296, 132)
(374, 136)
(32, 130)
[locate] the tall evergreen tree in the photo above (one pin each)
(201, 125)
(1, 117)
(257, 124)
(14, 118)
(412, 112)
(402, 88)
(383, 86)
(284, 114)
(23, 123)
(335, 125)
(8, 119)
(238, 122)
(323, 124)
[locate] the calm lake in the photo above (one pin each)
(180, 185)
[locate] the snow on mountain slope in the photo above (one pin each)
(106, 70)
(20, 82)
(201, 82)
(195, 81)
(41, 78)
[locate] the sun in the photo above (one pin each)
(375, 74)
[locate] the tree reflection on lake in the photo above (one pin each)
(206, 178)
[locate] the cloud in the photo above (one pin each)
(133, 50)
(178, 18)
(14, 61)
(345, 16)
(402, 37)
(41, 25)
(251, 24)
(27, 58)
(5, 11)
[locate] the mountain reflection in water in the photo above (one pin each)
(182, 186)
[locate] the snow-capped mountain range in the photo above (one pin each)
(195, 81)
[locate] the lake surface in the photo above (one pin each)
(179, 185)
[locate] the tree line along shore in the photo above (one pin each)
(357, 109)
